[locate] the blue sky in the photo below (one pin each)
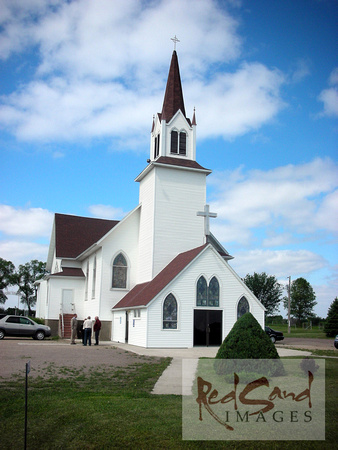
(81, 81)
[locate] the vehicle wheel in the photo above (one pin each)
(40, 335)
(2, 334)
(273, 339)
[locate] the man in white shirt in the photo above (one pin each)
(87, 328)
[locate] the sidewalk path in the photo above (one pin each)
(170, 382)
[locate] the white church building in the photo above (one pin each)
(157, 278)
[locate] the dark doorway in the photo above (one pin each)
(127, 327)
(207, 327)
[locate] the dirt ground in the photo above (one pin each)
(309, 343)
(48, 354)
(45, 356)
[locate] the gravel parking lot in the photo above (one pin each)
(48, 354)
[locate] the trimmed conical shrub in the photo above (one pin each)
(247, 340)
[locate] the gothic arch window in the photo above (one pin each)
(94, 278)
(120, 267)
(201, 292)
(213, 292)
(87, 279)
(178, 142)
(207, 295)
(157, 146)
(242, 307)
(170, 313)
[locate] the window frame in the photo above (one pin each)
(120, 253)
(164, 320)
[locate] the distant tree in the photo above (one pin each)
(331, 323)
(26, 276)
(267, 289)
(7, 277)
(302, 299)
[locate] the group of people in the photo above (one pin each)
(86, 330)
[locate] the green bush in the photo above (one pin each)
(331, 323)
(247, 340)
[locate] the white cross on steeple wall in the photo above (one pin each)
(206, 214)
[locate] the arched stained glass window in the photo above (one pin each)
(174, 142)
(170, 313)
(243, 307)
(202, 292)
(183, 143)
(213, 292)
(119, 272)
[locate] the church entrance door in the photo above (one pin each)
(207, 327)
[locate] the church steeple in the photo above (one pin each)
(173, 98)
(172, 133)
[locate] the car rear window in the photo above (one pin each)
(13, 319)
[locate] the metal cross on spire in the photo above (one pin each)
(206, 214)
(175, 40)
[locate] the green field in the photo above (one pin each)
(316, 332)
(115, 409)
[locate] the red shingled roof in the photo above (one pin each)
(170, 161)
(173, 97)
(143, 293)
(74, 234)
(69, 272)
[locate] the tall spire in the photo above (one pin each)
(173, 98)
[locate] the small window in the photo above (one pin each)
(119, 272)
(183, 143)
(94, 278)
(170, 313)
(213, 292)
(174, 142)
(243, 307)
(87, 279)
(202, 292)
(157, 146)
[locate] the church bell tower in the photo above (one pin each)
(172, 186)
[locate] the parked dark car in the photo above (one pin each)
(21, 326)
(336, 341)
(274, 335)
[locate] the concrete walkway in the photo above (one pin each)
(185, 361)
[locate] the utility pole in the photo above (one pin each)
(289, 328)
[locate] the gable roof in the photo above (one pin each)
(69, 272)
(173, 97)
(75, 234)
(143, 293)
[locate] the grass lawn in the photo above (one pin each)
(316, 332)
(115, 409)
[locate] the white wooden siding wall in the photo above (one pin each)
(55, 295)
(123, 238)
(138, 329)
(180, 195)
(41, 299)
(184, 289)
(147, 193)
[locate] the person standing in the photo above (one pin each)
(97, 328)
(73, 327)
(87, 326)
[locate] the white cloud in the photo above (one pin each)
(297, 199)
(102, 69)
(20, 252)
(107, 212)
(280, 263)
(329, 96)
(25, 222)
